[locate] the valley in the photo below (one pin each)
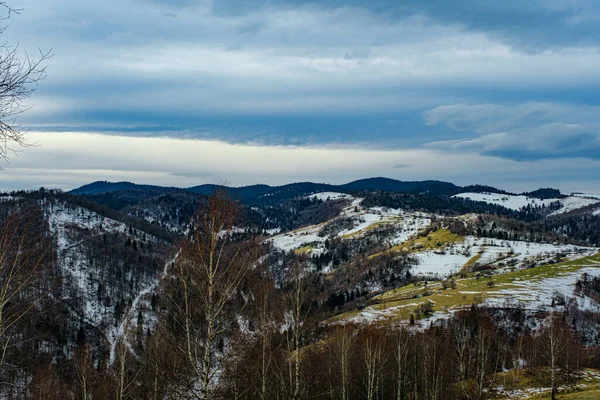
(365, 260)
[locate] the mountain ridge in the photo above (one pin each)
(266, 194)
(373, 183)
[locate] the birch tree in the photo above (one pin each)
(554, 339)
(209, 273)
(23, 258)
(19, 76)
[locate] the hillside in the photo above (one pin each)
(262, 194)
(369, 260)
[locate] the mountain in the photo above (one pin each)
(286, 206)
(392, 185)
(261, 194)
(545, 193)
(254, 192)
(108, 187)
(243, 193)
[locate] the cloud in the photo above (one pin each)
(521, 132)
(532, 26)
(358, 54)
(502, 81)
(400, 166)
(71, 159)
(278, 58)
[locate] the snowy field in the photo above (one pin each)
(518, 202)
(440, 264)
(588, 195)
(539, 294)
(325, 196)
(531, 295)
(363, 220)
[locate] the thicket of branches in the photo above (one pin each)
(19, 75)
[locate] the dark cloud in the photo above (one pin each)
(208, 175)
(528, 25)
(400, 166)
(508, 79)
(358, 54)
(523, 132)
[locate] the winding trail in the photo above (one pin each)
(120, 331)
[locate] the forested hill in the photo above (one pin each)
(265, 194)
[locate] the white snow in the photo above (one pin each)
(329, 196)
(588, 195)
(444, 262)
(517, 202)
(73, 226)
(62, 219)
(8, 198)
(539, 294)
(298, 238)
(574, 203)
(364, 219)
(438, 265)
(120, 331)
(505, 200)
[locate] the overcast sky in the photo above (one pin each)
(185, 92)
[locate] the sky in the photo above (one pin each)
(186, 92)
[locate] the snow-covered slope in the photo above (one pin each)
(329, 196)
(574, 203)
(106, 267)
(505, 200)
(538, 294)
(518, 202)
(588, 195)
(493, 252)
(359, 220)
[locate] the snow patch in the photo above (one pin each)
(518, 202)
(327, 196)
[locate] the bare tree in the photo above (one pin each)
(155, 354)
(19, 76)
(84, 371)
(554, 340)
(265, 296)
(461, 335)
(296, 300)
(517, 363)
(209, 272)
(401, 349)
(21, 256)
(484, 343)
(345, 343)
(124, 372)
(374, 361)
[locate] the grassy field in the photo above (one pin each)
(579, 394)
(304, 250)
(472, 261)
(399, 304)
(535, 384)
(435, 240)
